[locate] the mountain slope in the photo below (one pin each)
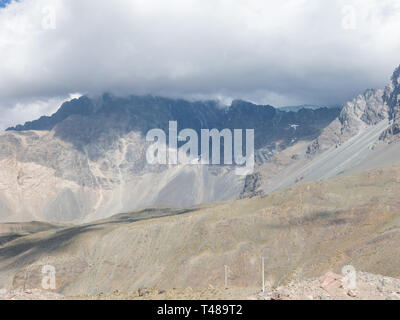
(87, 161)
(392, 100)
(365, 110)
(302, 232)
(360, 138)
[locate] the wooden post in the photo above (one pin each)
(226, 277)
(262, 270)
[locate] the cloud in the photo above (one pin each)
(29, 109)
(286, 52)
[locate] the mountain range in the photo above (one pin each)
(324, 194)
(87, 161)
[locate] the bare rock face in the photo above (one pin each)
(331, 281)
(392, 101)
(88, 160)
(365, 110)
(251, 184)
(369, 286)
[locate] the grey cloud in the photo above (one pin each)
(278, 53)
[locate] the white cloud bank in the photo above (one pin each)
(276, 52)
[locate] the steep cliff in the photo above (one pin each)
(392, 101)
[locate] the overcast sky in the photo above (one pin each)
(284, 52)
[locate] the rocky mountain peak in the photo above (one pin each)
(81, 106)
(90, 155)
(391, 99)
(82, 121)
(392, 96)
(367, 109)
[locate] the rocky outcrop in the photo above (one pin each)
(369, 108)
(367, 286)
(392, 101)
(251, 184)
(365, 110)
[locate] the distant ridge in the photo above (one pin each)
(308, 106)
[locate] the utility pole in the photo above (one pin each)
(262, 274)
(226, 277)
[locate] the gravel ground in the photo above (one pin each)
(29, 294)
(331, 286)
